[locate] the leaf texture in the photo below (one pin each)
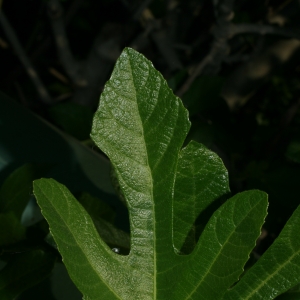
(277, 270)
(141, 126)
(201, 184)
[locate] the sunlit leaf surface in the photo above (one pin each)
(141, 127)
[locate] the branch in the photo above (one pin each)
(164, 45)
(265, 29)
(160, 35)
(24, 59)
(71, 66)
(218, 52)
(214, 58)
(99, 63)
(141, 8)
(197, 71)
(224, 10)
(224, 31)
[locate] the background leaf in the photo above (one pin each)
(16, 189)
(11, 229)
(97, 208)
(75, 119)
(24, 271)
(141, 126)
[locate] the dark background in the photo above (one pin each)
(235, 64)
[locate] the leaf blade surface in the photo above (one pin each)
(277, 270)
(77, 240)
(201, 183)
(141, 126)
(223, 248)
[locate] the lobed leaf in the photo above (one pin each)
(277, 270)
(141, 126)
(223, 248)
(201, 184)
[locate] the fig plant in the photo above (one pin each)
(141, 126)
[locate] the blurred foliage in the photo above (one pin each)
(73, 118)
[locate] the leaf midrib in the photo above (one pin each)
(217, 256)
(79, 244)
(151, 184)
(269, 277)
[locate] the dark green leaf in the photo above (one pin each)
(75, 119)
(97, 208)
(204, 94)
(103, 216)
(24, 271)
(141, 126)
(201, 182)
(11, 230)
(292, 294)
(223, 248)
(277, 270)
(17, 188)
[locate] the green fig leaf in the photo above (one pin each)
(141, 126)
(277, 270)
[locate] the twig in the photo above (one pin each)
(47, 42)
(224, 14)
(63, 97)
(65, 55)
(265, 29)
(141, 8)
(161, 38)
(197, 71)
(99, 63)
(224, 31)
(214, 58)
(59, 75)
(24, 59)
(282, 6)
(164, 45)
